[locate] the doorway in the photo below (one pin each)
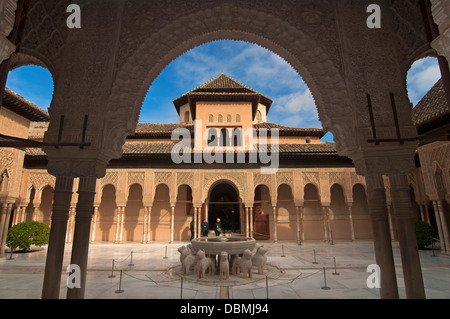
(224, 203)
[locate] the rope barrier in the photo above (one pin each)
(276, 281)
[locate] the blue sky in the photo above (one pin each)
(254, 66)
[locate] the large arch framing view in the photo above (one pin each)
(96, 157)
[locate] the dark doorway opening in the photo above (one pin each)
(224, 203)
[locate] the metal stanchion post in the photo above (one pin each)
(267, 287)
(432, 247)
(165, 256)
(12, 249)
(315, 262)
(325, 279)
(335, 270)
(131, 262)
(112, 271)
(119, 291)
(181, 294)
(282, 251)
(331, 235)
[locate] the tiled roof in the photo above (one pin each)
(165, 130)
(432, 106)
(222, 88)
(166, 149)
(160, 128)
(223, 81)
(21, 106)
(294, 131)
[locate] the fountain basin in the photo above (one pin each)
(216, 245)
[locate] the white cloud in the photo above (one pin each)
(421, 78)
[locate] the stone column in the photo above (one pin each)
(422, 212)
(325, 223)
(299, 217)
(94, 222)
(122, 220)
(36, 211)
(247, 221)
(350, 219)
(439, 226)
(251, 221)
(172, 221)
(4, 223)
(391, 226)
(275, 234)
(427, 214)
(149, 224)
(55, 251)
(80, 247)
(119, 225)
(145, 225)
(376, 199)
(70, 225)
(407, 236)
(198, 224)
(445, 232)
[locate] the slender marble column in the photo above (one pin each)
(299, 210)
(247, 221)
(251, 221)
(350, 219)
(94, 223)
(275, 234)
(325, 223)
(149, 225)
(172, 222)
(4, 224)
(407, 236)
(122, 220)
(445, 232)
(145, 225)
(80, 247)
(376, 199)
(198, 211)
(55, 251)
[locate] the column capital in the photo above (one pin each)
(68, 164)
(385, 160)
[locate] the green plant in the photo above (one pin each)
(25, 234)
(424, 234)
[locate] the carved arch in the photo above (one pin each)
(298, 48)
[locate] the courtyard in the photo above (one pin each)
(152, 271)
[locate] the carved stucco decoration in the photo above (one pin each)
(202, 23)
(441, 14)
(7, 19)
(45, 31)
(236, 179)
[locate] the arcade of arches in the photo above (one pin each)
(102, 72)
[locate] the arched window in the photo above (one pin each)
(220, 118)
(229, 118)
(211, 118)
(187, 117)
(236, 137)
(238, 118)
(224, 138)
(212, 137)
(308, 140)
(258, 116)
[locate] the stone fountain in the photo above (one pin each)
(216, 245)
(236, 255)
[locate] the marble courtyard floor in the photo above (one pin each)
(154, 273)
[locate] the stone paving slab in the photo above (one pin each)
(154, 273)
